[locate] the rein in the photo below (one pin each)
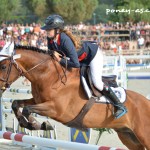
(64, 70)
(23, 73)
(12, 62)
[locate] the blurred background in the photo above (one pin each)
(126, 32)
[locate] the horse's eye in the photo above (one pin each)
(3, 67)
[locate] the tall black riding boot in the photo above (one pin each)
(121, 109)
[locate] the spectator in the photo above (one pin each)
(147, 42)
(2, 42)
(126, 44)
(27, 29)
(140, 42)
(133, 35)
(22, 29)
(44, 45)
(9, 30)
(17, 41)
(106, 46)
(36, 29)
(31, 28)
(33, 40)
(15, 30)
(1, 31)
(113, 45)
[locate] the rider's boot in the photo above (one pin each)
(121, 109)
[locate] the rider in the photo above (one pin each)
(59, 39)
(89, 54)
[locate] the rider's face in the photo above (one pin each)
(50, 33)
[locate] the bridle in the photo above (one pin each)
(12, 62)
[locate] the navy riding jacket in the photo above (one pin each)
(65, 45)
(87, 52)
(82, 57)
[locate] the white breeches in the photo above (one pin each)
(96, 68)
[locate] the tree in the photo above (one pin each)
(8, 8)
(136, 7)
(101, 15)
(91, 5)
(73, 11)
(38, 7)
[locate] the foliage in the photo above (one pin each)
(8, 8)
(101, 15)
(135, 16)
(108, 2)
(38, 7)
(73, 11)
(101, 130)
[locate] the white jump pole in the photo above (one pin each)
(46, 142)
(120, 71)
(25, 91)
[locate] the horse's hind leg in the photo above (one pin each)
(130, 140)
(41, 109)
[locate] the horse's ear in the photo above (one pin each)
(11, 48)
(4, 49)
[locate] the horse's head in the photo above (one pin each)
(8, 71)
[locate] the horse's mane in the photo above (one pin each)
(32, 48)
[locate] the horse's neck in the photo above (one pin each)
(29, 59)
(49, 70)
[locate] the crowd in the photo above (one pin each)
(32, 35)
(139, 34)
(23, 35)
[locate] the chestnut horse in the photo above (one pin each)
(58, 94)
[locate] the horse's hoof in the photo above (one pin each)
(23, 122)
(36, 125)
(26, 112)
(46, 126)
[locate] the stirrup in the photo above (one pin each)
(124, 111)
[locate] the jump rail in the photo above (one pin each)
(50, 142)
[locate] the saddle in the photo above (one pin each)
(108, 80)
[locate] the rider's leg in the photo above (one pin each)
(121, 109)
(96, 67)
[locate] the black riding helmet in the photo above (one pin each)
(53, 22)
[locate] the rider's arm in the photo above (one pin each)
(71, 54)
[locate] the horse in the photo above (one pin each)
(57, 93)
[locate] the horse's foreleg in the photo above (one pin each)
(23, 120)
(41, 109)
(16, 104)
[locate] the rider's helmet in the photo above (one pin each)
(53, 22)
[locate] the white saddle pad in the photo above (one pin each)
(120, 93)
